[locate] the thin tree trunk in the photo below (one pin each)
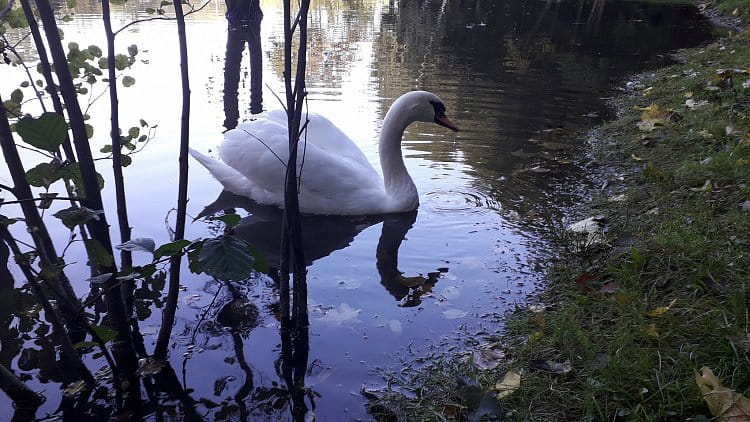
(47, 73)
(160, 351)
(126, 260)
(69, 304)
(98, 228)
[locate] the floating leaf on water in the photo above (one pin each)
(149, 366)
(724, 403)
(511, 382)
(74, 388)
(341, 315)
(454, 314)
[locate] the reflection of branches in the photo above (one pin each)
(163, 18)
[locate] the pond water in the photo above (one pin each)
(520, 78)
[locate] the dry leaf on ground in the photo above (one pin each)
(510, 383)
(723, 403)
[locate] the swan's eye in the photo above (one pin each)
(439, 108)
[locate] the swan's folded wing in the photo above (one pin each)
(322, 133)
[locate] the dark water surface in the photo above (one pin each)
(519, 77)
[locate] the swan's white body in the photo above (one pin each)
(336, 177)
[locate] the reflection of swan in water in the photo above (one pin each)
(326, 234)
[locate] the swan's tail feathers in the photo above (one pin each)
(230, 178)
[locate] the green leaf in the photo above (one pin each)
(143, 123)
(25, 84)
(106, 149)
(226, 258)
(133, 132)
(72, 3)
(128, 81)
(46, 201)
(73, 46)
(121, 61)
(84, 344)
(17, 94)
(260, 264)
(94, 50)
(89, 131)
(193, 263)
(73, 216)
(139, 244)
(125, 160)
(83, 90)
(150, 10)
(73, 172)
(102, 63)
(46, 132)
(105, 333)
(12, 107)
(66, 18)
(171, 249)
(165, 3)
(132, 50)
(43, 175)
(230, 220)
(98, 254)
(142, 138)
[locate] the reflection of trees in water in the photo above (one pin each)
(508, 70)
(335, 30)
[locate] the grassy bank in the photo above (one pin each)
(626, 323)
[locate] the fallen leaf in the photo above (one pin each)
(723, 402)
(692, 104)
(653, 116)
(707, 186)
(487, 359)
(510, 383)
(610, 287)
(583, 282)
(657, 312)
(635, 157)
(551, 366)
(74, 388)
(651, 330)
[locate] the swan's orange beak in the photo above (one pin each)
(442, 120)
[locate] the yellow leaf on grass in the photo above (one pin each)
(661, 310)
(652, 331)
(510, 383)
(724, 403)
(653, 116)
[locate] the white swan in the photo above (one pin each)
(336, 177)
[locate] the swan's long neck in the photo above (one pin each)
(398, 183)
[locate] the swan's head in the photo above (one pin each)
(425, 106)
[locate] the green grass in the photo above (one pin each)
(689, 251)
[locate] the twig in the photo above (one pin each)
(269, 148)
(18, 201)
